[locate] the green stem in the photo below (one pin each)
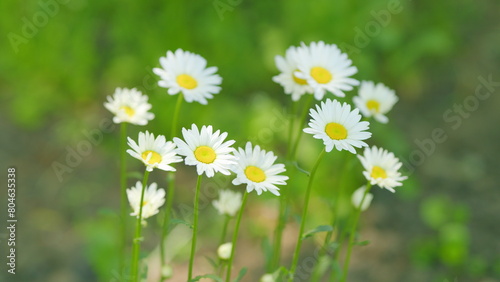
(303, 116)
(352, 233)
(166, 218)
(123, 194)
(227, 218)
(171, 186)
(235, 237)
(137, 239)
(304, 214)
(176, 115)
(195, 226)
(278, 235)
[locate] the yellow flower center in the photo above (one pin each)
(255, 174)
(336, 131)
(298, 80)
(205, 154)
(373, 106)
(321, 75)
(128, 110)
(186, 81)
(155, 157)
(378, 172)
(144, 203)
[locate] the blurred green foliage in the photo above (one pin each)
(55, 75)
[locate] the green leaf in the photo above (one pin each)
(242, 273)
(362, 243)
(180, 221)
(212, 262)
(301, 169)
(321, 228)
(135, 175)
(211, 276)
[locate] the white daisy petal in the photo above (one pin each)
(129, 105)
(381, 168)
(154, 152)
(338, 126)
(375, 100)
(208, 151)
(153, 199)
(188, 72)
(256, 168)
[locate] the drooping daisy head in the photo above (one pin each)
(256, 169)
(375, 100)
(325, 68)
(381, 168)
(153, 199)
(206, 150)
(357, 196)
(229, 202)
(291, 83)
(338, 126)
(154, 152)
(129, 105)
(186, 72)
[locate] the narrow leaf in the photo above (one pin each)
(321, 228)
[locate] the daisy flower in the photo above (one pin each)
(129, 105)
(338, 126)
(357, 196)
(206, 150)
(229, 202)
(375, 100)
(256, 168)
(288, 66)
(325, 68)
(154, 152)
(153, 199)
(381, 168)
(186, 72)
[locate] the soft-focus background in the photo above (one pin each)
(60, 59)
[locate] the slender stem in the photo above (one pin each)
(171, 187)
(137, 239)
(195, 226)
(278, 234)
(166, 218)
(352, 233)
(304, 214)
(301, 124)
(176, 115)
(123, 194)
(290, 128)
(224, 229)
(235, 237)
(227, 218)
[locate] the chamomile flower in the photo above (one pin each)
(381, 168)
(325, 68)
(154, 152)
(153, 199)
(186, 72)
(229, 202)
(338, 126)
(291, 83)
(357, 196)
(256, 169)
(206, 150)
(375, 100)
(129, 105)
